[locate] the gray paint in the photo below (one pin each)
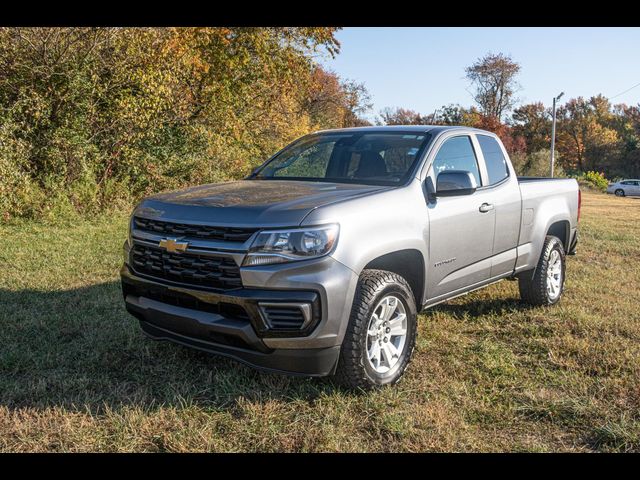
(463, 247)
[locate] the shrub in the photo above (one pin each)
(535, 164)
(94, 118)
(596, 180)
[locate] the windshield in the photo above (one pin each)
(386, 158)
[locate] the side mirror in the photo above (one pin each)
(455, 182)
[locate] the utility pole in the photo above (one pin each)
(553, 131)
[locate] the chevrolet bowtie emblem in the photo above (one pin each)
(172, 245)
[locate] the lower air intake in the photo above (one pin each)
(286, 316)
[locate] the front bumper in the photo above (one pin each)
(211, 321)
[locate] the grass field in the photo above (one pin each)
(489, 374)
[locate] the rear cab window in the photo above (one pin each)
(494, 159)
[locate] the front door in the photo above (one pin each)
(461, 228)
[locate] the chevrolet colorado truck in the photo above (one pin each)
(319, 262)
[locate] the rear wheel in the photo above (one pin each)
(381, 334)
(546, 284)
(619, 192)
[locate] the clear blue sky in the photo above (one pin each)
(423, 68)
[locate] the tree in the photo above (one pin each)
(493, 77)
(402, 116)
(626, 123)
(450, 115)
(585, 139)
(533, 123)
(89, 116)
(356, 101)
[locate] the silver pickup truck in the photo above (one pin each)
(319, 262)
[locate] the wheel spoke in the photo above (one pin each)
(382, 311)
(390, 308)
(393, 351)
(373, 329)
(374, 352)
(396, 325)
(390, 355)
(388, 358)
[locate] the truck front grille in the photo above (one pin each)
(204, 271)
(204, 232)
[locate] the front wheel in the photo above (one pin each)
(381, 333)
(619, 193)
(546, 284)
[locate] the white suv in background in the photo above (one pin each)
(623, 188)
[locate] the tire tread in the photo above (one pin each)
(350, 372)
(533, 288)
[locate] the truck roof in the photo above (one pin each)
(404, 128)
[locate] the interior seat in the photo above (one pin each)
(371, 165)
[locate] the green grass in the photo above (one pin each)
(489, 374)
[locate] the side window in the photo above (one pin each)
(493, 158)
(457, 154)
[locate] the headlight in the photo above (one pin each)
(280, 246)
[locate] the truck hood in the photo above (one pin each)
(250, 203)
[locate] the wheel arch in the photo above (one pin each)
(409, 264)
(562, 230)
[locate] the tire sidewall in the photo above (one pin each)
(406, 297)
(554, 244)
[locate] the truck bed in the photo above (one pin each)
(538, 179)
(545, 202)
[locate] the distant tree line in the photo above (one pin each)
(592, 134)
(93, 118)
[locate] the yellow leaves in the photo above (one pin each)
(158, 107)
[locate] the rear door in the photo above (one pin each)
(460, 231)
(501, 186)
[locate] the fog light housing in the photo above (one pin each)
(286, 316)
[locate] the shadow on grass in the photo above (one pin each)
(80, 349)
(475, 307)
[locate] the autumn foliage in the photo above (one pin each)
(91, 118)
(591, 134)
(94, 118)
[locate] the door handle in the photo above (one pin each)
(485, 207)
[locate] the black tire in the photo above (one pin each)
(354, 369)
(533, 285)
(619, 192)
